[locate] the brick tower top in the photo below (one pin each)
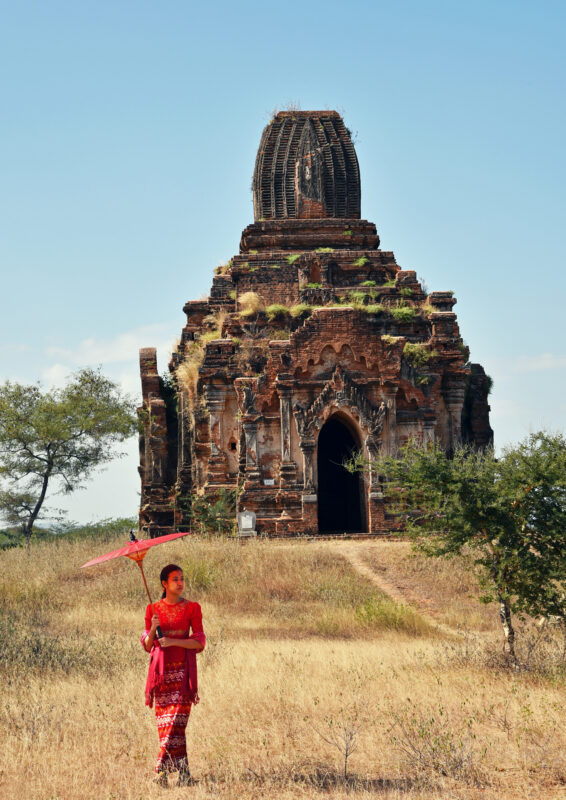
(306, 168)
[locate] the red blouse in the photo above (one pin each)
(176, 621)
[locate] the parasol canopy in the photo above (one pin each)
(136, 551)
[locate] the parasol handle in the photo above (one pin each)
(159, 632)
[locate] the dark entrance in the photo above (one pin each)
(339, 492)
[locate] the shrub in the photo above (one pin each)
(250, 304)
(222, 269)
(279, 333)
(406, 291)
(418, 354)
(215, 516)
(301, 310)
(435, 741)
(390, 340)
(276, 311)
(357, 296)
(324, 250)
(389, 284)
(403, 313)
(361, 262)
(314, 286)
(369, 283)
(374, 308)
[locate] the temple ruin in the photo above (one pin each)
(313, 344)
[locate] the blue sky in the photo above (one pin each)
(129, 132)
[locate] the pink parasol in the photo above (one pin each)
(136, 551)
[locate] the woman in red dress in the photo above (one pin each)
(173, 635)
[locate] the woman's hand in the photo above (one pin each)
(166, 641)
(154, 623)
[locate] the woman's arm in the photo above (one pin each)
(188, 644)
(150, 637)
(197, 640)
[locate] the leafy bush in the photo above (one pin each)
(403, 313)
(418, 354)
(215, 516)
(356, 296)
(361, 262)
(276, 311)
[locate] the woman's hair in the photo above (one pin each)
(165, 572)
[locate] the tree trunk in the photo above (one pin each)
(28, 525)
(508, 630)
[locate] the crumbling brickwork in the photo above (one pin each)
(313, 343)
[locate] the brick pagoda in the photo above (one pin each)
(313, 344)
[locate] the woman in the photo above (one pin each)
(172, 676)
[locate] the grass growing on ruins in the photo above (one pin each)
(418, 354)
(314, 683)
(293, 257)
(276, 311)
(403, 313)
(250, 304)
(301, 310)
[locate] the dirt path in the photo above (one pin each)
(351, 551)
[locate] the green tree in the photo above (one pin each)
(56, 437)
(507, 515)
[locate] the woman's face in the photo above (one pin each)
(175, 583)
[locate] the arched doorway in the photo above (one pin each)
(339, 491)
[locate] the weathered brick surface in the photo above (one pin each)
(338, 331)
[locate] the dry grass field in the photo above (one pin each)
(306, 659)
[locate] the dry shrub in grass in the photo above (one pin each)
(433, 743)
